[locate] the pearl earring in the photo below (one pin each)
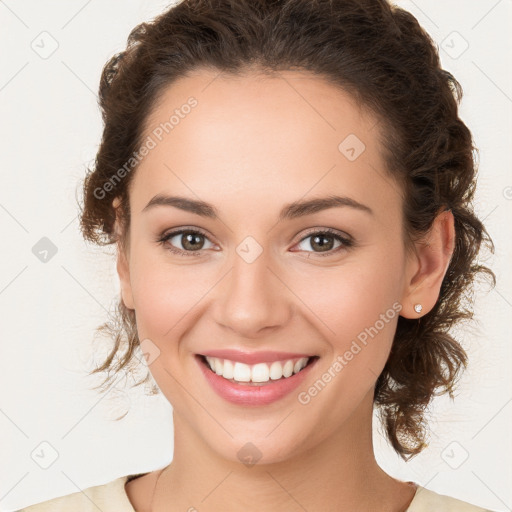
(418, 308)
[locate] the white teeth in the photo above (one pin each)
(261, 372)
(288, 368)
(227, 370)
(298, 366)
(276, 370)
(242, 372)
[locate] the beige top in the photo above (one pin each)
(112, 497)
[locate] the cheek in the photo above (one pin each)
(357, 303)
(164, 295)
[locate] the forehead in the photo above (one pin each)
(259, 104)
(292, 132)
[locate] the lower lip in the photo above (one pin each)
(246, 394)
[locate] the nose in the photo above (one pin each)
(253, 299)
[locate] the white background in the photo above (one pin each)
(50, 130)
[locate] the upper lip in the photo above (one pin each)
(266, 356)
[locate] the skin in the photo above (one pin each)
(246, 139)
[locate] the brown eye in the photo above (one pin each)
(185, 241)
(323, 242)
(191, 241)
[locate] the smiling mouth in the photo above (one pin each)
(256, 374)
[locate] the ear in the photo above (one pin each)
(427, 267)
(123, 267)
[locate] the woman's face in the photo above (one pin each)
(258, 281)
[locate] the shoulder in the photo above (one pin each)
(108, 497)
(426, 500)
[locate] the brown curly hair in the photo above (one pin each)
(382, 56)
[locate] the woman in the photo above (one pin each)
(289, 187)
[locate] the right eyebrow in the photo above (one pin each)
(183, 203)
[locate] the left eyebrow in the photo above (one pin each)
(307, 207)
(294, 210)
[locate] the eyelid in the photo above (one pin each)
(180, 229)
(330, 231)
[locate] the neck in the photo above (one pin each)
(339, 473)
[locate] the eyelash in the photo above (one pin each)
(345, 241)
